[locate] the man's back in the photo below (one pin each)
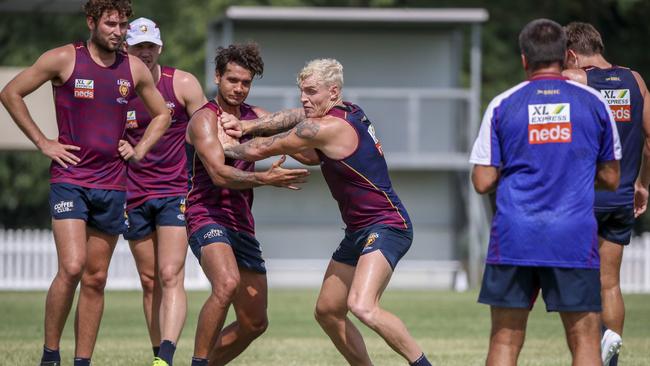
(620, 89)
(547, 136)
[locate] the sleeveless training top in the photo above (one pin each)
(360, 183)
(207, 203)
(90, 113)
(162, 172)
(621, 91)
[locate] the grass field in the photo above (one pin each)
(451, 327)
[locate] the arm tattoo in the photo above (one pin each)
(243, 151)
(306, 129)
(276, 122)
(244, 178)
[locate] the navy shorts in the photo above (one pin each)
(248, 251)
(391, 241)
(563, 289)
(143, 219)
(616, 225)
(102, 209)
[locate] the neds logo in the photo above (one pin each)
(619, 103)
(549, 123)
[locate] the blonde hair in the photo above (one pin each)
(327, 70)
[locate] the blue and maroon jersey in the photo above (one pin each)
(546, 137)
(360, 183)
(162, 172)
(620, 89)
(207, 203)
(90, 113)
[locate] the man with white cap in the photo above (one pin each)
(156, 190)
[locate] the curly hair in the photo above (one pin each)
(245, 55)
(95, 8)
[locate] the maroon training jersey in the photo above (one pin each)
(207, 203)
(90, 113)
(360, 182)
(162, 172)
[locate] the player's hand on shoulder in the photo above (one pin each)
(288, 178)
(127, 152)
(226, 140)
(231, 125)
(59, 152)
(640, 199)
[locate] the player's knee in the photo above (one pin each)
(325, 311)
(366, 312)
(225, 289)
(95, 281)
(257, 326)
(170, 276)
(508, 339)
(71, 272)
(148, 283)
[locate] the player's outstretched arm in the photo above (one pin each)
(307, 157)
(485, 178)
(266, 125)
(204, 135)
(55, 65)
(155, 104)
(308, 134)
(643, 180)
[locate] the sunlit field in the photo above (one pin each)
(451, 327)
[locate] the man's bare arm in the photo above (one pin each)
(203, 134)
(55, 65)
(307, 157)
(266, 125)
(485, 178)
(608, 175)
(643, 179)
(305, 135)
(188, 91)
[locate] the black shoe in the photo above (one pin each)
(50, 363)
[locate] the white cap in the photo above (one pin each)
(143, 30)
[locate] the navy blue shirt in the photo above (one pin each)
(621, 91)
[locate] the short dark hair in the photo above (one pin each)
(95, 8)
(543, 42)
(246, 55)
(584, 39)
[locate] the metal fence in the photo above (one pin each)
(28, 262)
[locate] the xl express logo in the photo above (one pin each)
(84, 88)
(549, 123)
(619, 103)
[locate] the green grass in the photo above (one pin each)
(451, 327)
